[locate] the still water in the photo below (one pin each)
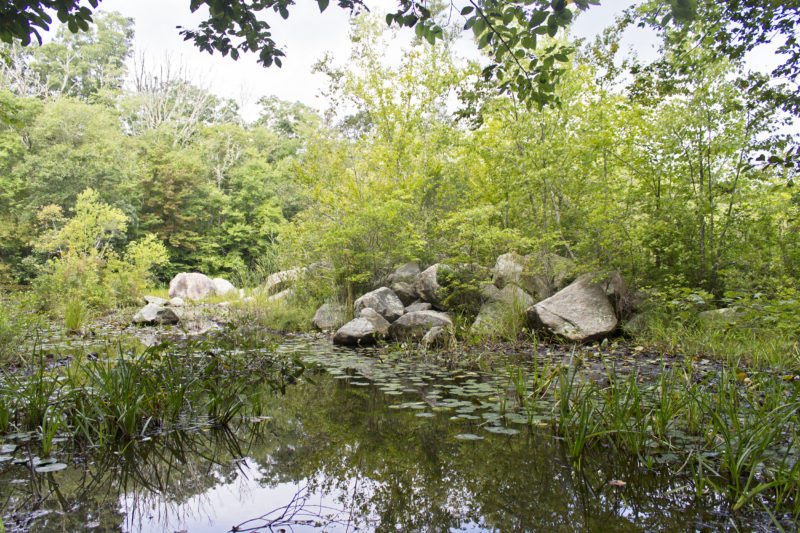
(360, 444)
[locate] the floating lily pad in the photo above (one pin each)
(8, 448)
(501, 430)
(4, 458)
(425, 415)
(52, 467)
(468, 436)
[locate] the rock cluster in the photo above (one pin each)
(529, 291)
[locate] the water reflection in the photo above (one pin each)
(334, 456)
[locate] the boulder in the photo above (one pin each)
(407, 272)
(380, 323)
(405, 291)
(382, 300)
(720, 317)
(280, 281)
(223, 286)
(415, 325)
(156, 300)
(506, 304)
(616, 291)
(435, 338)
(418, 306)
(431, 283)
(281, 297)
(155, 314)
(358, 332)
(540, 275)
(426, 284)
(329, 317)
(176, 302)
(581, 312)
(191, 286)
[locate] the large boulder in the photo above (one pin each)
(441, 281)
(415, 325)
(405, 291)
(505, 305)
(382, 300)
(581, 312)
(191, 286)
(223, 286)
(540, 275)
(155, 314)
(427, 285)
(406, 272)
(358, 332)
(436, 337)
(419, 305)
(280, 281)
(155, 300)
(329, 317)
(380, 323)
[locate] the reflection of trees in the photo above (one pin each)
(388, 468)
(413, 474)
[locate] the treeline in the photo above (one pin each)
(656, 174)
(177, 161)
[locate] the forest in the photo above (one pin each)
(676, 174)
(664, 172)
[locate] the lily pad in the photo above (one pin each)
(501, 430)
(52, 467)
(468, 436)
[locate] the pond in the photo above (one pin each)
(360, 443)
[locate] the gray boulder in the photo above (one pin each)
(358, 332)
(435, 338)
(405, 291)
(156, 300)
(176, 302)
(581, 312)
(426, 284)
(540, 275)
(191, 286)
(223, 286)
(507, 304)
(329, 317)
(415, 325)
(380, 323)
(155, 314)
(281, 297)
(382, 300)
(418, 306)
(406, 272)
(280, 281)
(720, 317)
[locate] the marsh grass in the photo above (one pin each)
(133, 394)
(76, 315)
(732, 432)
(758, 347)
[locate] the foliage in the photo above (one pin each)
(84, 269)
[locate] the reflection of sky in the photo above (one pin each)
(249, 496)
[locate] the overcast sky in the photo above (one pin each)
(305, 36)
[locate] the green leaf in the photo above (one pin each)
(467, 10)
(323, 5)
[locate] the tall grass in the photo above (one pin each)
(76, 314)
(764, 348)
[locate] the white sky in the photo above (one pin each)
(305, 36)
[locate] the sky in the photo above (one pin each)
(306, 37)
